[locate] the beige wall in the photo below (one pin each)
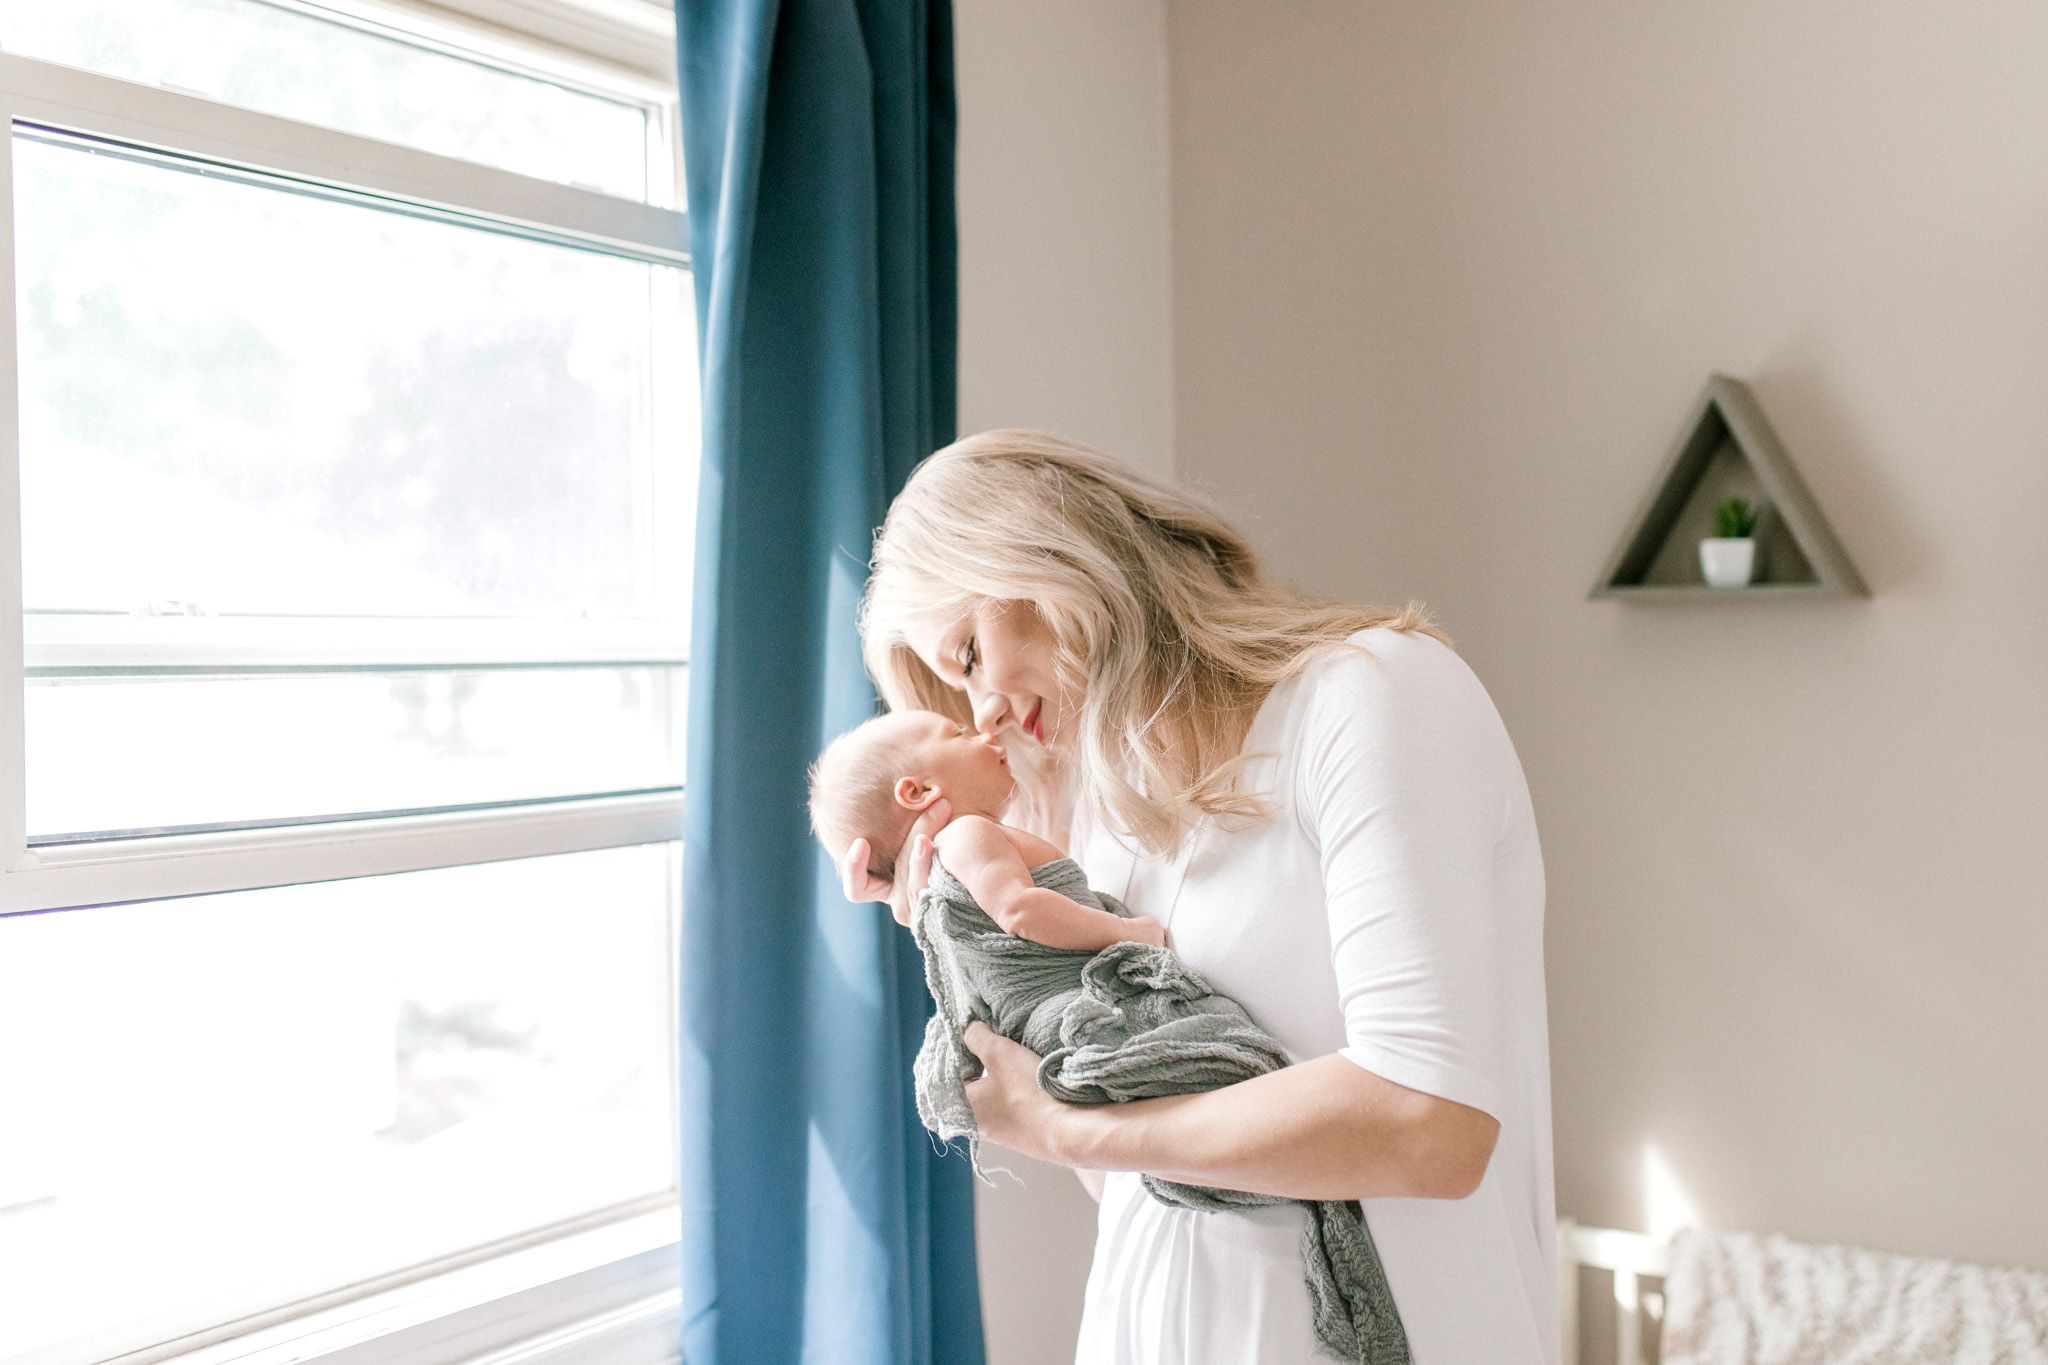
(1065, 323)
(1448, 274)
(1065, 290)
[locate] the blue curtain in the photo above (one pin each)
(819, 1222)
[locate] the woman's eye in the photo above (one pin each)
(967, 664)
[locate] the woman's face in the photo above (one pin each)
(1002, 657)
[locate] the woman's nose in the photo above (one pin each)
(989, 709)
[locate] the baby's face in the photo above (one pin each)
(970, 770)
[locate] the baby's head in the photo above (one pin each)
(873, 782)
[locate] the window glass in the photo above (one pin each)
(332, 506)
(247, 399)
(222, 1104)
(283, 60)
(129, 755)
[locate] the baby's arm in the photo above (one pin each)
(976, 850)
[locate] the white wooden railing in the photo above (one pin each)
(1630, 1256)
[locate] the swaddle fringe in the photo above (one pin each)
(1128, 1023)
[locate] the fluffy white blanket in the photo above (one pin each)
(1737, 1299)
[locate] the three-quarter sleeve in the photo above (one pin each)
(1404, 786)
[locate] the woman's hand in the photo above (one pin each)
(1009, 1108)
(913, 865)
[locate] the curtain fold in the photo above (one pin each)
(820, 1224)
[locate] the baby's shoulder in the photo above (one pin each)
(964, 832)
(979, 835)
(965, 825)
(1032, 849)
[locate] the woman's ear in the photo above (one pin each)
(914, 793)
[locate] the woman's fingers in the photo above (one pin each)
(901, 900)
(1009, 1108)
(936, 817)
(978, 1037)
(855, 879)
(914, 863)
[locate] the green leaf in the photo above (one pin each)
(1734, 519)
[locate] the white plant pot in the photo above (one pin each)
(1727, 562)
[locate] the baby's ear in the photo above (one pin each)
(914, 793)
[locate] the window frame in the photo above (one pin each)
(516, 1302)
(615, 49)
(588, 1289)
(33, 879)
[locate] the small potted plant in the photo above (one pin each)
(1728, 557)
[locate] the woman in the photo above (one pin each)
(1323, 806)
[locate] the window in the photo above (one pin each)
(352, 391)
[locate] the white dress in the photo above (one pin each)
(1390, 911)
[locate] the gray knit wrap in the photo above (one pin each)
(1128, 1023)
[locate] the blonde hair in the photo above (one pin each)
(1162, 622)
(853, 792)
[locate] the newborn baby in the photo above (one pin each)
(1012, 935)
(874, 781)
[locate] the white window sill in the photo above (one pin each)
(607, 1296)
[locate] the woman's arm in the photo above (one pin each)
(1326, 1129)
(1403, 782)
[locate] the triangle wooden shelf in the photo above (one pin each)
(1727, 448)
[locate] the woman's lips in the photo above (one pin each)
(1032, 725)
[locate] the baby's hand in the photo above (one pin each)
(1145, 929)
